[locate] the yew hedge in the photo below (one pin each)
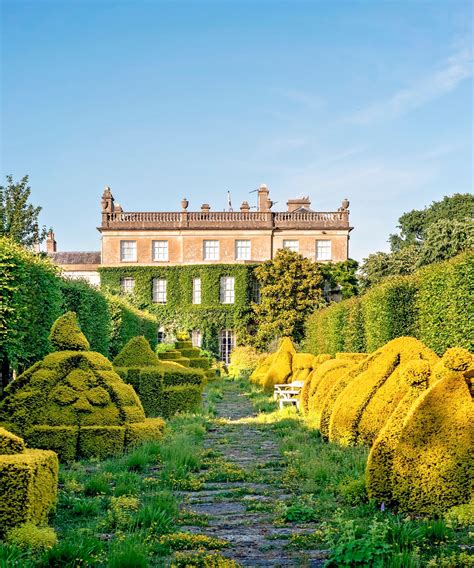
(433, 305)
(33, 295)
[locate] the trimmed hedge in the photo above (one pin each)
(164, 387)
(433, 305)
(28, 483)
(34, 295)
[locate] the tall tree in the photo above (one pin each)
(414, 224)
(18, 217)
(290, 289)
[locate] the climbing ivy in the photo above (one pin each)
(179, 312)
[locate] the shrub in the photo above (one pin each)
(277, 367)
(322, 382)
(73, 401)
(434, 451)
(243, 361)
(30, 536)
(363, 407)
(416, 374)
(317, 362)
(28, 483)
(136, 353)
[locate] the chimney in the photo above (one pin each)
(245, 207)
(264, 203)
(294, 204)
(50, 242)
(205, 208)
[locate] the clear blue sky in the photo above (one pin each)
(368, 100)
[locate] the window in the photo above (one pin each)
(160, 250)
(323, 250)
(161, 335)
(128, 251)
(159, 290)
(292, 245)
(242, 250)
(211, 250)
(127, 285)
(226, 344)
(227, 290)
(196, 290)
(196, 338)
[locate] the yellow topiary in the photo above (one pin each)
(258, 376)
(380, 461)
(324, 379)
(72, 402)
(301, 366)
(317, 361)
(353, 356)
(433, 460)
(280, 368)
(28, 483)
(364, 406)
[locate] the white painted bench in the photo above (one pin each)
(288, 393)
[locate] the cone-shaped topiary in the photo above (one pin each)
(280, 368)
(365, 405)
(317, 362)
(136, 353)
(301, 366)
(75, 403)
(433, 459)
(66, 334)
(164, 387)
(323, 380)
(378, 472)
(28, 482)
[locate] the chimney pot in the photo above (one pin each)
(50, 242)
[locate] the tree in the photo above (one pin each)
(18, 217)
(290, 289)
(341, 276)
(414, 224)
(446, 239)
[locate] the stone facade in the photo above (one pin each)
(207, 237)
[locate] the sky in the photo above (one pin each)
(369, 100)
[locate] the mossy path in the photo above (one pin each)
(243, 494)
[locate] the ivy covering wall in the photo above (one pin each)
(433, 305)
(179, 313)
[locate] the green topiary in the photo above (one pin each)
(136, 353)
(66, 336)
(28, 483)
(72, 402)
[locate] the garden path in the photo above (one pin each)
(243, 497)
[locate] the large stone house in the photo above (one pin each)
(141, 252)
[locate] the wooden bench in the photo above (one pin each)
(288, 393)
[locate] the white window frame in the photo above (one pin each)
(160, 286)
(243, 249)
(210, 250)
(196, 337)
(226, 344)
(325, 252)
(227, 290)
(128, 253)
(161, 335)
(291, 244)
(127, 285)
(160, 252)
(197, 291)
